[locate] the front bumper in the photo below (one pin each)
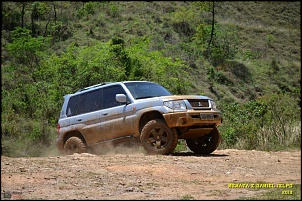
(193, 118)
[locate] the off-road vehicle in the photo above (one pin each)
(141, 110)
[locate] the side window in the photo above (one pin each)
(72, 106)
(109, 96)
(82, 104)
(93, 101)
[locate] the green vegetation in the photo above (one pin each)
(187, 197)
(244, 55)
(293, 193)
(271, 122)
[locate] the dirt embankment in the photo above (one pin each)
(225, 174)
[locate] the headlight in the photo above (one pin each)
(176, 105)
(213, 105)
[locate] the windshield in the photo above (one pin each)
(141, 90)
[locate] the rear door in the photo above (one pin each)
(88, 119)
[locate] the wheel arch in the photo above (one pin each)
(146, 117)
(73, 134)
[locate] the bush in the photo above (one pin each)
(268, 123)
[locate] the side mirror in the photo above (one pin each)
(121, 98)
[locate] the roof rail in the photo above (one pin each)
(93, 86)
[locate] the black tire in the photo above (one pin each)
(74, 145)
(157, 138)
(205, 144)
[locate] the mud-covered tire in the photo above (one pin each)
(74, 145)
(157, 138)
(205, 144)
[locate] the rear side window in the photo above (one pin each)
(93, 101)
(84, 103)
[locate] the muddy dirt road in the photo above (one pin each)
(225, 174)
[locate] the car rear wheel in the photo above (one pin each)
(74, 145)
(205, 144)
(158, 138)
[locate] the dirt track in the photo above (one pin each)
(134, 176)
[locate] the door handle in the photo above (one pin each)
(79, 119)
(104, 114)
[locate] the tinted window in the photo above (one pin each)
(82, 104)
(93, 101)
(72, 106)
(109, 96)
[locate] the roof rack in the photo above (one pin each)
(93, 86)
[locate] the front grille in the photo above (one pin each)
(199, 104)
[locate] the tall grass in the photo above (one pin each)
(274, 137)
(270, 123)
(270, 139)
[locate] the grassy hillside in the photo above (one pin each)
(268, 34)
(252, 67)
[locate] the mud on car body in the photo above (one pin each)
(141, 110)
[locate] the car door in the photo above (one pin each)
(88, 120)
(115, 116)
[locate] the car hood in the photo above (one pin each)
(185, 97)
(175, 97)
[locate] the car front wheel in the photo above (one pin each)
(158, 138)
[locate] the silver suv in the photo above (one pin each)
(140, 110)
